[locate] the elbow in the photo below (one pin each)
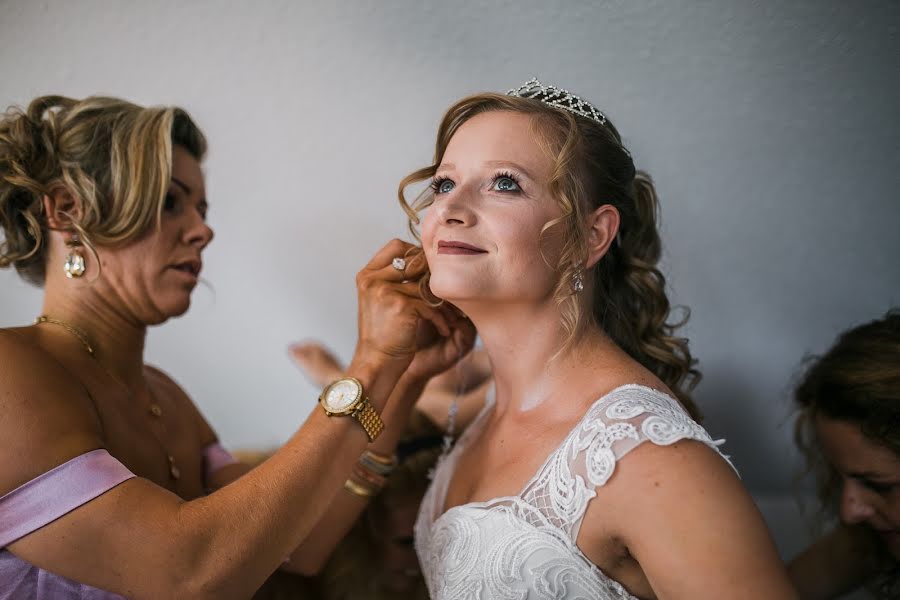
(199, 576)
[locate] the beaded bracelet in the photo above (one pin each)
(378, 464)
(390, 461)
(364, 475)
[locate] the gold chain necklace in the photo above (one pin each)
(155, 410)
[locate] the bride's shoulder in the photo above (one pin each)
(648, 422)
(638, 433)
(637, 402)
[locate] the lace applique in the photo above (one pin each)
(668, 423)
(523, 547)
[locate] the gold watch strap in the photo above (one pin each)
(369, 419)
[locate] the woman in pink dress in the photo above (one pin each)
(112, 482)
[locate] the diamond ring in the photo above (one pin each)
(399, 263)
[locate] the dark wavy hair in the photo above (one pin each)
(857, 380)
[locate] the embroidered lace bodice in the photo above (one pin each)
(523, 546)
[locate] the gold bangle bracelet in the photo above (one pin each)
(359, 490)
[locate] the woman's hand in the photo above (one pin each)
(393, 316)
(435, 352)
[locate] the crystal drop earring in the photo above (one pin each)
(578, 280)
(74, 265)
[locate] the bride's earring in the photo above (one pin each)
(74, 265)
(578, 280)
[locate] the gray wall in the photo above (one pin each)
(770, 128)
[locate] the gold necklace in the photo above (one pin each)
(155, 410)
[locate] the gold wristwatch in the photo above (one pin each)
(345, 397)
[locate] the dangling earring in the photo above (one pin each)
(578, 280)
(74, 265)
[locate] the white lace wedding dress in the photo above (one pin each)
(523, 546)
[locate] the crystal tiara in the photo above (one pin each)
(558, 98)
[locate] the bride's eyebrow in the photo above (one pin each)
(510, 165)
(494, 164)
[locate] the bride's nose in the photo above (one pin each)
(456, 209)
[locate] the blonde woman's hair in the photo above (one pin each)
(592, 168)
(113, 156)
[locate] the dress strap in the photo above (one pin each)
(60, 490)
(615, 425)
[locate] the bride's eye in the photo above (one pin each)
(506, 183)
(442, 185)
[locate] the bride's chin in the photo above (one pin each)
(453, 286)
(453, 294)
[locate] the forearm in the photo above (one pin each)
(345, 507)
(232, 540)
(239, 535)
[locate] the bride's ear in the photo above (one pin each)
(602, 227)
(61, 208)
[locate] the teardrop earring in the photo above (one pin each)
(74, 265)
(578, 280)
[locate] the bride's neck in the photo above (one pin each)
(524, 346)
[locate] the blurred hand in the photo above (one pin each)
(317, 362)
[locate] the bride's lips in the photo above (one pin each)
(451, 247)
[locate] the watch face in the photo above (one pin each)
(342, 395)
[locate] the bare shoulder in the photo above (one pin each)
(666, 480)
(678, 509)
(48, 416)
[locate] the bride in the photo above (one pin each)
(541, 231)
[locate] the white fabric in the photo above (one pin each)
(523, 547)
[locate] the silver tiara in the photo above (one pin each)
(558, 98)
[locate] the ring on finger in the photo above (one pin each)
(399, 263)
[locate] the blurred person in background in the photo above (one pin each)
(848, 428)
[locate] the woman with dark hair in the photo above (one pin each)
(540, 229)
(112, 482)
(848, 427)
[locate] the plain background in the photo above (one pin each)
(769, 127)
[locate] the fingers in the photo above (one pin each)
(436, 317)
(388, 253)
(394, 317)
(413, 269)
(457, 331)
(381, 267)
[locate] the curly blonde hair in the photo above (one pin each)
(592, 167)
(113, 156)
